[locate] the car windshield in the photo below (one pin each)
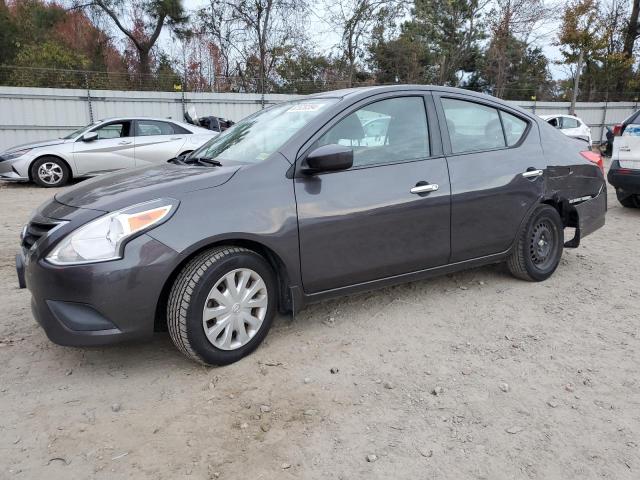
(256, 137)
(79, 131)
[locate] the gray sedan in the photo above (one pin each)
(101, 147)
(302, 202)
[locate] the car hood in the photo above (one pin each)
(44, 143)
(128, 187)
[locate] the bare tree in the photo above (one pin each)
(578, 38)
(510, 25)
(141, 23)
(255, 34)
(355, 20)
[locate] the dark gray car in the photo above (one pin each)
(302, 202)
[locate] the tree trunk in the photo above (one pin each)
(630, 36)
(576, 84)
(145, 62)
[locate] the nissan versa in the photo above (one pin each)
(323, 196)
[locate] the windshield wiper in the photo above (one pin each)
(194, 160)
(209, 161)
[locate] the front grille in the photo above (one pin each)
(37, 228)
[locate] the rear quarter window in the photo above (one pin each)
(514, 128)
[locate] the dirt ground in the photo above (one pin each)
(475, 375)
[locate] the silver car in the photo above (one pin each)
(101, 147)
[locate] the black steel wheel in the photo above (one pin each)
(538, 248)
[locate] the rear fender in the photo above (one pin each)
(579, 194)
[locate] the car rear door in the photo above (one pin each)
(112, 150)
(387, 215)
(495, 166)
(157, 141)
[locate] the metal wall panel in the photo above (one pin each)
(31, 114)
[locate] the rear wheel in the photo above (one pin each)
(539, 246)
(221, 305)
(50, 172)
(628, 200)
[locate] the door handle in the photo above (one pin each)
(124, 142)
(176, 138)
(532, 173)
(429, 187)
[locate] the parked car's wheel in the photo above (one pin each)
(50, 172)
(221, 305)
(628, 200)
(539, 246)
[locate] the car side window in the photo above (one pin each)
(177, 129)
(387, 131)
(553, 122)
(472, 126)
(145, 128)
(514, 128)
(113, 130)
(569, 123)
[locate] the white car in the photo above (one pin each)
(101, 147)
(624, 171)
(570, 125)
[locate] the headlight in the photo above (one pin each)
(101, 239)
(15, 154)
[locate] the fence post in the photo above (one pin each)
(183, 99)
(535, 99)
(89, 103)
(604, 116)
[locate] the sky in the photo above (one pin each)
(325, 39)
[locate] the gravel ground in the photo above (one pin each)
(472, 375)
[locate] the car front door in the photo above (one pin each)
(495, 166)
(158, 141)
(112, 149)
(388, 214)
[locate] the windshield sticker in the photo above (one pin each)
(306, 107)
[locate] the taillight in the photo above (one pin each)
(617, 129)
(595, 158)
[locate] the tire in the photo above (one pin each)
(628, 200)
(193, 293)
(532, 260)
(50, 172)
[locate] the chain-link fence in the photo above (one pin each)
(93, 80)
(58, 78)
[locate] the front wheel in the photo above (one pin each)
(221, 305)
(539, 245)
(50, 172)
(628, 200)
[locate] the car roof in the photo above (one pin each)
(364, 92)
(137, 117)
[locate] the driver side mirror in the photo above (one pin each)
(328, 158)
(90, 136)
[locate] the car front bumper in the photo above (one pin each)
(625, 179)
(99, 303)
(12, 170)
